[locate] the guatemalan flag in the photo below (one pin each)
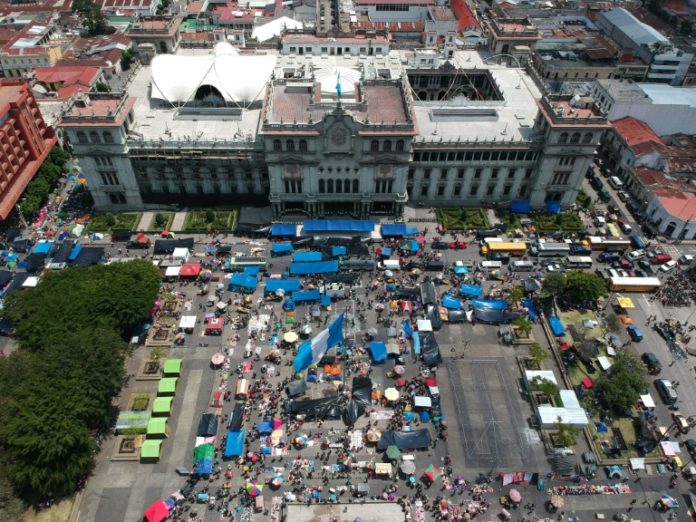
(310, 352)
(338, 84)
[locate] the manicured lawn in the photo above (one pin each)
(124, 221)
(154, 227)
(565, 221)
(576, 318)
(222, 220)
(456, 218)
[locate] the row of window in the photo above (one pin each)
(473, 190)
(199, 188)
(345, 186)
(567, 161)
(109, 178)
(424, 156)
(161, 174)
(561, 178)
(375, 146)
(575, 138)
(94, 137)
(289, 146)
(387, 146)
(435, 174)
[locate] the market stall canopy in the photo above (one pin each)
(338, 225)
(167, 386)
(157, 427)
(307, 257)
(162, 405)
(520, 206)
(306, 295)
(471, 290)
(234, 446)
(236, 418)
(556, 326)
(283, 229)
(287, 285)
(430, 349)
(424, 325)
(297, 388)
(150, 449)
(190, 270)
(323, 267)
(187, 322)
(181, 253)
(397, 229)
(415, 439)
(337, 251)
(157, 512)
(135, 421)
(172, 271)
(172, 367)
(378, 350)
(281, 248)
(167, 246)
(241, 280)
(208, 425)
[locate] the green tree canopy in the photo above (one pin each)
(584, 287)
(620, 387)
(553, 285)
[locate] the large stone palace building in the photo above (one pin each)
(319, 134)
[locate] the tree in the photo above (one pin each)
(554, 285)
(92, 17)
(102, 87)
(584, 287)
(620, 387)
(523, 324)
(127, 58)
(547, 388)
(160, 220)
(209, 216)
(537, 353)
(566, 433)
(157, 353)
(110, 220)
(516, 294)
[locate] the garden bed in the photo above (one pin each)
(205, 220)
(565, 221)
(456, 218)
(168, 219)
(125, 221)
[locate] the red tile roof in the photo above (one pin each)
(637, 134)
(66, 75)
(465, 16)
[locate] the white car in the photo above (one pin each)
(635, 254)
(554, 267)
(668, 266)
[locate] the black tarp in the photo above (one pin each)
(341, 278)
(35, 262)
(488, 315)
(297, 388)
(5, 277)
(121, 236)
(456, 316)
(63, 252)
(167, 246)
(89, 256)
(362, 390)
(352, 411)
(433, 313)
(405, 440)
(17, 282)
(20, 245)
(12, 233)
(428, 292)
(430, 349)
(236, 418)
(434, 266)
(325, 408)
(223, 249)
(405, 291)
(208, 425)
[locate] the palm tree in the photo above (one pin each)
(537, 353)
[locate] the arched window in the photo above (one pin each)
(563, 138)
(303, 145)
(322, 186)
(339, 186)
(587, 138)
(108, 138)
(81, 137)
(387, 145)
(346, 186)
(356, 186)
(94, 137)
(374, 146)
(290, 146)
(277, 146)
(329, 184)
(400, 146)
(575, 138)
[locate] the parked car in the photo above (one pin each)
(635, 254)
(666, 391)
(660, 259)
(686, 259)
(668, 266)
(652, 363)
(635, 334)
(691, 447)
(681, 422)
(644, 265)
(623, 195)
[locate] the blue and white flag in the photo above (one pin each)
(338, 84)
(310, 352)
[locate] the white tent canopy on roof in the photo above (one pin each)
(274, 28)
(238, 78)
(331, 76)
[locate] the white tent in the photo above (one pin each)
(172, 271)
(424, 325)
(274, 28)
(187, 322)
(31, 282)
(332, 76)
(181, 253)
(238, 78)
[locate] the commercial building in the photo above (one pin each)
(396, 130)
(25, 141)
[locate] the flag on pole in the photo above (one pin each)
(338, 84)
(310, 352)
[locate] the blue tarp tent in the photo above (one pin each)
(323, 267)
(283, 229)
(398, 229)
(413, 245)
(325, 300)
(289, 305)
(339, 225)
(406, 327)
(490, 304)
(489, 310)
(416, 343)
(42, 247)
(234, 447)
(264, 427)
(553, 207)
(252, 270)
(450, 302)
(338, 251)
(75, 252)
(460, 269)
(471, 290)
(386, 252)
(378, 350)
(281, 248)
(289, 285)
(306, 295)
(243, 281)
(520, 206)
(307, 257)
(556, 326)
(204, 467)
(529, 305)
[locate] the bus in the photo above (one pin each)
(491, 265)
(638, 242)
(613, 231)
(634, 284)
(598, 243)
(238, 264)
(506, 247)
(522, 266)
(550, 249)
(579, 262)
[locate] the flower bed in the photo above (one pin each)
(101, 222)
(198, 220)
(565, 221)
(457, 218)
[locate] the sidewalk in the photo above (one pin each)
(178, 222)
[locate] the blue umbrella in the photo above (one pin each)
(289, 305)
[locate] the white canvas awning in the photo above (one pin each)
(172, 271)
(31, 282)
(647, 401)
(181, 253)
(424, 325)
(187, 322)
(604, 362)
(637, 463)
(275, 28)
(420, 401)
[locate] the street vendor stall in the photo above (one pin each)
(187, 323)
(215, 326)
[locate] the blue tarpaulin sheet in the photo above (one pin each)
(75, 252)
(416, 343)
(556, 326)
(450, 302)
(520, 206)
(386, 252)
(42, 247)
(234, 447)
(204, 467)
(339, 225)
(529, 305)
(406, 326)
(325, 300)
(252, 270)
(553, 207)
(471, 290)
(307, 295)
(264, 427)
(323, 267)
(378, 350)
(398, 229)
(281, 248)
(307, 257)
(460, 269)
(242, 281)
(289, 285)
(283, 229)
(413, 246)
(338, 251)
(490, 304)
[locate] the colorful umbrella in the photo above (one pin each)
(253, 489)
(391, 394)
(217, 359)
(393, 452)
(408, 467)
(290, 337)
(432, 473)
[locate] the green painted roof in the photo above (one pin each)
(150, 449)
(173, 366)
(162, 405)
(157, 426)
(167, 385)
